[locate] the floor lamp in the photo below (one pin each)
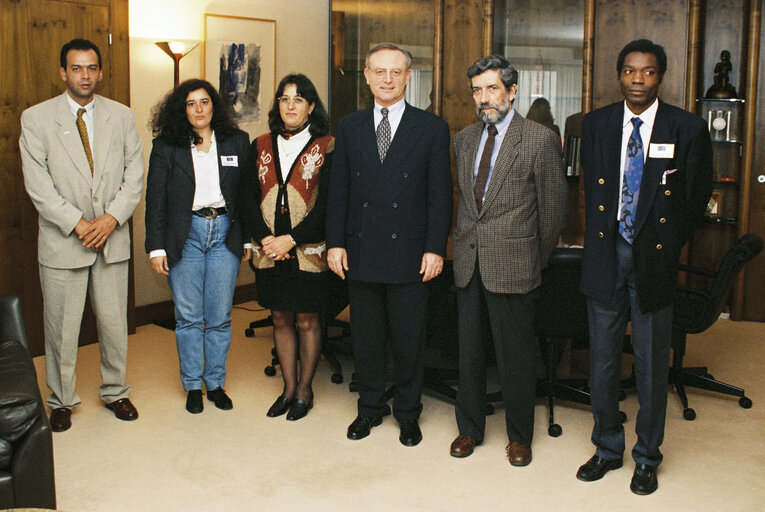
(176, 50)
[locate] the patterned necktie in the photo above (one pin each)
(633, 174)
(483, 167)
(84, 137)
(383, 134)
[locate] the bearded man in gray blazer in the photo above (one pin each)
(82, 161)
(512, 207)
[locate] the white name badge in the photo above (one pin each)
(229, 161)
(661, 151)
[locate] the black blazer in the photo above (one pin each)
(668, 207)
(387, 215)
(170, 194)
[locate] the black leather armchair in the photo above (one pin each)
(26, 441)
(696, 309)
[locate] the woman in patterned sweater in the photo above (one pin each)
(287, 189)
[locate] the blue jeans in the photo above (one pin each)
(203, 284)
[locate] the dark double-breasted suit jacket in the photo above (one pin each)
(387, 215)
(170, 194)
(673, 195)
(523, 210)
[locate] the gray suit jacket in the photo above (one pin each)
(58, 180)
(523, 211)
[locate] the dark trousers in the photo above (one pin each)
(651, 339)
(511, 321)
(402, 308)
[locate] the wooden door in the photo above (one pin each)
(32, 33)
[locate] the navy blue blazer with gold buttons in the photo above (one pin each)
(673, 196)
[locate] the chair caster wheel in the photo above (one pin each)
(622, 416)
(554, 430)
(489, 409)
(270, 371)
(689, 414)
(249, 332)
(353, 387)
(745, 402)
(337, 378)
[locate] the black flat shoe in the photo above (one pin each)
(596, 468)
(194, 401)
(279, 407)
(410, 433)
(644, 479)
(220, 398)
(298, 409)
(362, 425)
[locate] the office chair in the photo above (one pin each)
(695, 310)
(337, 301)
(561, 314)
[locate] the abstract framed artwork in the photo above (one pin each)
(239, 58)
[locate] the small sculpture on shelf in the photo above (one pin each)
(722, 87)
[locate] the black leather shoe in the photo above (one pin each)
(60, 419)
(595, 468)
(362, 425)
(410, 433)
(221, 399)
(194, 401)
(123, 409)
(299, 408)
(280, 406)
(644, 479)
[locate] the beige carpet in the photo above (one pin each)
(240, 460)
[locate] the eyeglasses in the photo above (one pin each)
(296, 100)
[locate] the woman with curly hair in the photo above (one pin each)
(193, 228)
(286, 209)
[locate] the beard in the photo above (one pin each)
(492, 114)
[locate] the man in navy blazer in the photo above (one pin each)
(636, 225)
(389, 214)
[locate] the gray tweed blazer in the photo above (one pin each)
(523, 211)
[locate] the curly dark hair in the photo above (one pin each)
(643, 46)
(318, 119)
(169, 121)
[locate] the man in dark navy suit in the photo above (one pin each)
(647, 179)
(389, 213)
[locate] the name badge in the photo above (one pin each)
(661, 151)
(229, 161)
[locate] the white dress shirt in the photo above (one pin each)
(502, 127)
(87, 116)
(289, 149)
(648, 117)
(395, 113)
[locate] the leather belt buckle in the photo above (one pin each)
(211, 213)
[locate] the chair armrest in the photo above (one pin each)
(692, 291)
(696, 270)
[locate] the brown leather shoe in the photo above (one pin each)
(462, 446)
(123, 409)
(60, 419)
(518, 455)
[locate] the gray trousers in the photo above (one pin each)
(64, 293)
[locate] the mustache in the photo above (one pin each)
(486, 106)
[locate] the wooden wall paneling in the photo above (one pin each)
(725, 28)
(750, 292)
(463, 22)
(617, 22)
(438, 56)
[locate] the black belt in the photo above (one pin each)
(210, 212)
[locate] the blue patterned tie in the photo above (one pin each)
(633, 174)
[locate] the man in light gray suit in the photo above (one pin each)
(512, 206)
(82, 160)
